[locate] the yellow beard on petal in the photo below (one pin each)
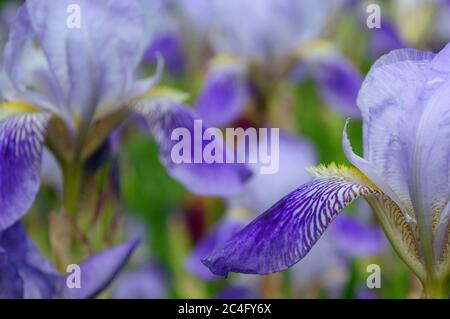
(350, 174)
(12, 108)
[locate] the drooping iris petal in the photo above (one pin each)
(147, 282)
(226, 229)
(98, 271)
(170, 46)
(224, 94)
(24, 273)
(338, 82)
(285, 233)
(212, 179)
(87, 63)
(357, 239)
(21, 143)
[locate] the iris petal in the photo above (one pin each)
(224, 95)
(98, 271)
(212, 179)
(285, 233)
(21, 145)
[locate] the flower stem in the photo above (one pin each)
(435, 289)
(72, 183)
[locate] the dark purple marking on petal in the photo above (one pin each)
(21, 144)
(285, 233)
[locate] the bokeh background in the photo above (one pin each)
(306, 84)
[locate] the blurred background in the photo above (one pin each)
(298, 70)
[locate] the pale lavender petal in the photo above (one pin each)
(170, 46)
(236, 291)
(98, 271)
(356, 239)
(21, 144)
(265, 31)
(24, 273)
(224, 94)
(285, 233)
(338, 82)
(384, 39)
(148, 282)
(406, 135)
(211, 179)
(226, 229)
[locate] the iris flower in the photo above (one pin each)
(403, 175)
(69, 88)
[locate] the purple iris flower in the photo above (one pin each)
(68, 82)
(265, 31)
(225, 92)
(169, 45)
(24, 273)
(385, 39)
(403, 176)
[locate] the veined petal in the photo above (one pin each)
(98, 271)
(285, 233)
(213, 179)
(224, 94)
(21, 143)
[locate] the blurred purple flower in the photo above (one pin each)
(338, 82)
(85, 79)
(238, 291)
(385, 39)
(24, 273)
(225, 93)
(145, 282)
(169, 45)
(265, 31)
(225, 230)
